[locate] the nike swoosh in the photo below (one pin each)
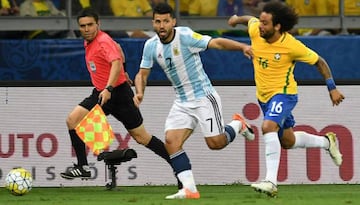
(271, 153)
(273, 115)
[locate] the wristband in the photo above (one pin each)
(109, 88)
(330, 84)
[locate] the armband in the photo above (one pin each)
(330, 83)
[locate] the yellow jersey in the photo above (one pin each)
(203, 7)
(274, 63)
(351, 7)
(5, 4)
(130, 8)
(183, 4)
(85, 3)
(310, 7)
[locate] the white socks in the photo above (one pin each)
(273, 149)
(306, 140)
(187, 179)
(236, 125)
(272, 156)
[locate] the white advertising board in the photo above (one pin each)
(33, 135)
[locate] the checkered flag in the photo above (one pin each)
(95, 130)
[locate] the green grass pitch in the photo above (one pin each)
(210, 195)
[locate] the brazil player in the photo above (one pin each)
(275, 53)
(176, 50)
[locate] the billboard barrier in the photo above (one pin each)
(33, 135)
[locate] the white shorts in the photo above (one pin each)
(207, 112)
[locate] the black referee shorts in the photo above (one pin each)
(121, 106)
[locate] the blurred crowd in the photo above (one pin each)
(143, 8)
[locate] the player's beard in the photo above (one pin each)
(267, 34)
(164, 35)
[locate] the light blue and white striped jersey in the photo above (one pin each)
(180, 60)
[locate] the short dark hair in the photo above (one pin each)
(163, 8)
(88, 12)
(282, 14)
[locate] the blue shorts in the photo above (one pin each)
(278, 109)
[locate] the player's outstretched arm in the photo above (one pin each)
(230, 45)
(335, 95)
(235, 19)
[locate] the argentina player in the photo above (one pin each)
(176, 50)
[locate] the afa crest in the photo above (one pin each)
(176, 51)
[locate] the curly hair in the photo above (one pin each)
(282, 14)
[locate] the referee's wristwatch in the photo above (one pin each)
(109, 88)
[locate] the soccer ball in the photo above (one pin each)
(18, 181)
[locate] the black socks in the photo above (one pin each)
(79, 147)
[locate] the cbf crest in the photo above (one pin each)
(277, 56)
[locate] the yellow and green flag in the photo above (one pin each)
(95, 130)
